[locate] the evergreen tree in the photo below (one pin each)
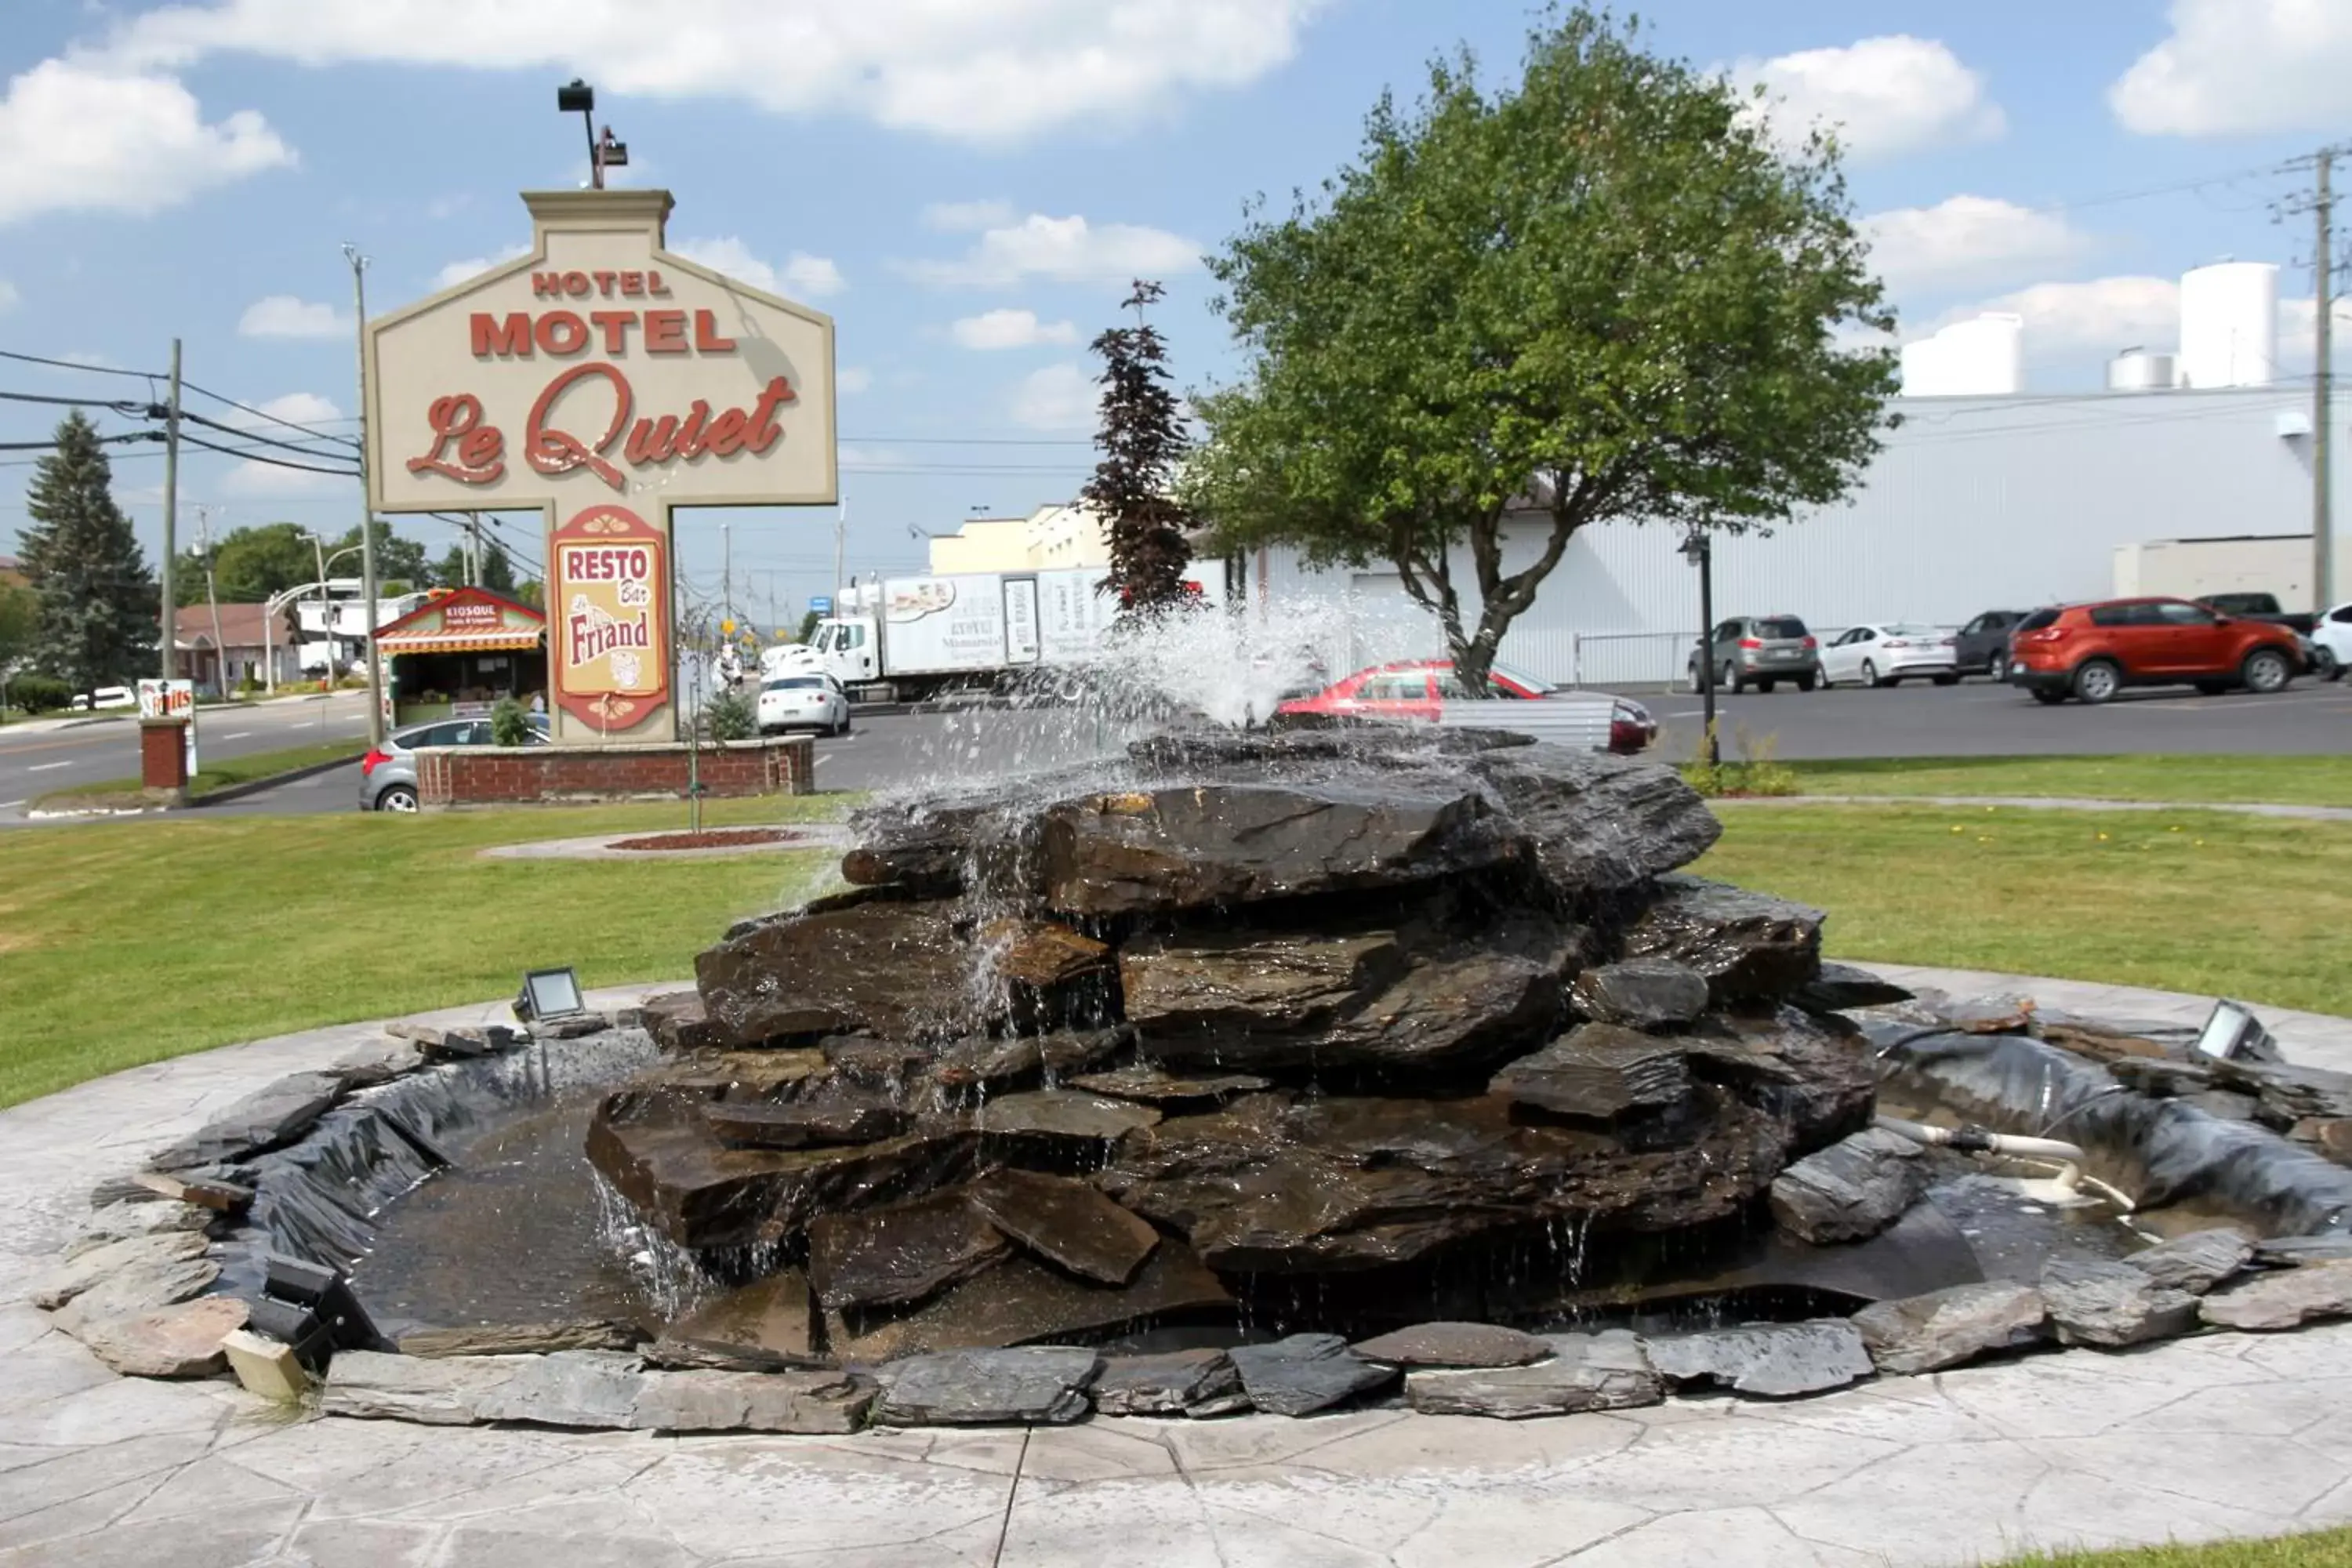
(449, 571)
(498, 571)
(98, 603)
(1143, 442)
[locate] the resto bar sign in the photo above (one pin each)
(608, 618)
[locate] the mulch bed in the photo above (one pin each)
(713, 838)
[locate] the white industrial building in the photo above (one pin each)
(2192, 475)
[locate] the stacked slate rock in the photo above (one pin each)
(1313, 1027)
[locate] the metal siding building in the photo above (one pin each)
(1975, 504)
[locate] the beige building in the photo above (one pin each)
(1066, 534)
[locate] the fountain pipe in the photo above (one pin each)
(2064, 1187)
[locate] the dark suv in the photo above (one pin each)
(1982, 645)
(1758, 650)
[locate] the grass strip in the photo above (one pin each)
(2327, 1548)
(125, 942)
(2253, 780)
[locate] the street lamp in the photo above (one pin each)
(1698, 549)
(576, 97)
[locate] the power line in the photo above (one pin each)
(243, 434)
(52, 446)
(125, 406)
(75, 364)
(254, 457)
(263, 413)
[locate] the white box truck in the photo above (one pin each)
(906, 638)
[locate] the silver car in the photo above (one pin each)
(1760, 651)
(388, 775)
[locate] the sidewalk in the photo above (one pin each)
(2225, 1435)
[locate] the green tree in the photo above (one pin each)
(250, 565)
(1597, 293)
(401, 565)
(20, 625)
(498, 571)
(98, 601)
(808, 627)
(450, 570)
(532, 591)
(1142, 441)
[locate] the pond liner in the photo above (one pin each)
(320, 1198)
(2162, 1152)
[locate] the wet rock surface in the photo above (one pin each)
(1044, 1386)
(901, 1252)
(1927, 1333)
(1641, 994)
(521, 1338)
(1066, 1222)
(1599, 1072)
(816, 1403)
(2286, 1300)
(754, 1126)
(1154, 1085)
(1745, 945)
(182, 1340)
(2196, 1262)
(1020, 1301)
(2094, 1302)
(1197, 1382)
(1304, 1374)
(1454, 1345)
(1608, 1370)
(772, 1316)
(1775, 1359)
(1855, 1188)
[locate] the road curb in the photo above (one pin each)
(255, 786)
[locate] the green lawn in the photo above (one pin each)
(211, 775)
(123, 942)
(2187, 901)
(2280, 781)
(2329, 1549)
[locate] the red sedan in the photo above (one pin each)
(1425, 692)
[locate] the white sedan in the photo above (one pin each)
(2332, 636)
(803, 702)
(1883, 653)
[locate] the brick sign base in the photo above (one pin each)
(501, 775)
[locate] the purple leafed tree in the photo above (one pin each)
(1142, 440)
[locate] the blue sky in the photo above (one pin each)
(967, 186)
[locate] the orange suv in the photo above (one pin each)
(2093, 651)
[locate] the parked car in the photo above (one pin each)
(106, 696)
(2093, 651)
(1758, 650)
(2331, 636)
(1425, 692)
(388, 774)
(2258, 607)
(1982, 647)
(1883, 652)
(807, 700)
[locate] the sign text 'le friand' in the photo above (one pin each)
(601, 382)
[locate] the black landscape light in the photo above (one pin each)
(549, 993)
(309, 1307)
(2232, 1033)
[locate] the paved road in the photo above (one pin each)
(1974, 719)
(34, 762)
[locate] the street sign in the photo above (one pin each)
(171, 699)
(821, 604)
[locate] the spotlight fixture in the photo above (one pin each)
(311, 1308)
(2232, 1033)
(549, 993)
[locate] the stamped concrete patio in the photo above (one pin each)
(2222, 1435)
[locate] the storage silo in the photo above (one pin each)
(1982, 357)
(2229, 325)
(2137, 370)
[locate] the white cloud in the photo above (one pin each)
(1884, 97)
(457, 272)
(283, 316)
(2298, 323)
(804, 277)
(77, 138)
(257, 478)
(1058, 397)
(1011, 329)
(2236, 66)
(8, 296)
(1062, 250)
(2103, 314)
(852, 379)
(971, 71)
(968, 218)
(1966, 240)
(810, 277)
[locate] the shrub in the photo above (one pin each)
(38, 693)
(1758, 772)
(730, 716)
(509, 724)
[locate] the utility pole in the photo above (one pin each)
(2321, 205)
(170, 618)
(840, 540)
(474, 550)
(220, 649)
(727, 569)
(367, 520)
